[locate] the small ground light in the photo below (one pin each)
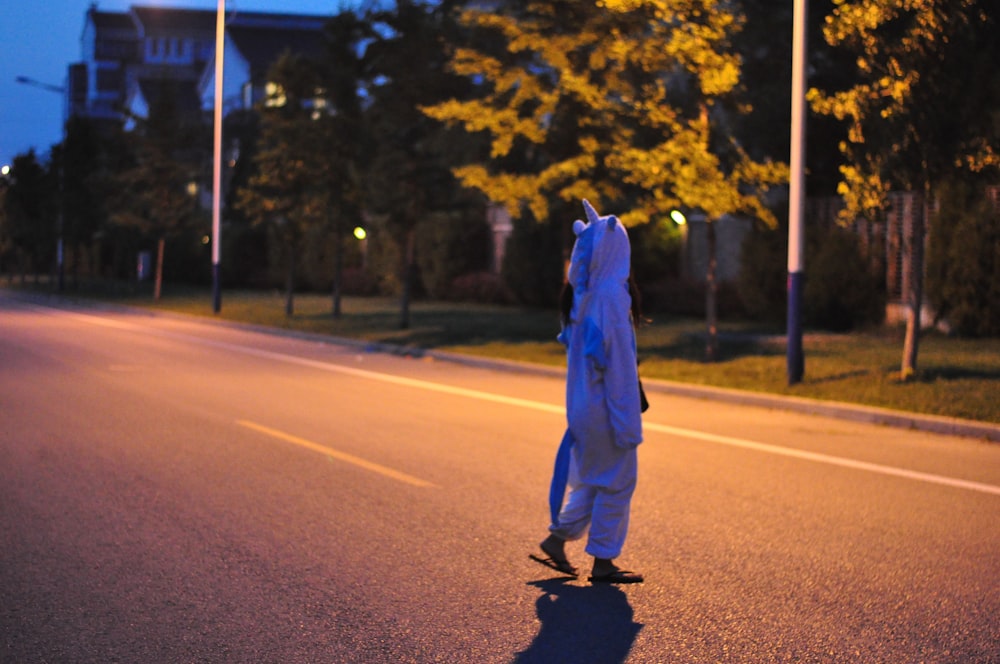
(678, 217)
(360, 233)
(205, 239)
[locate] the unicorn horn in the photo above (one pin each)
(592, 215)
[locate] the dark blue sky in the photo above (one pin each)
(41, 38)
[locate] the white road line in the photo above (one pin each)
(550, 408)
(327, 366)
(824, 458)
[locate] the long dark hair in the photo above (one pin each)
(566, 302)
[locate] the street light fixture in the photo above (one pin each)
(60, 263)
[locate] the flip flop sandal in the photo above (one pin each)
(617, 576)
(562, 566)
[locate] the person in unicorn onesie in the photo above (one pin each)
(597, 457)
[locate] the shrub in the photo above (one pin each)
(963, 262)
(485, 287)
(450, 245)
(358, 281)
(686, 297)
(533, 263)
(763, 274)
(841, 293)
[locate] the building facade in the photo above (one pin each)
(128, 58)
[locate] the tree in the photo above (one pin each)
(284, 192)
(345, 157)
(765, 47)
(924, 107)
(411, 175)
(83, 162)
(29, 213)
(153, 195)
(5, 240)
(624, 102)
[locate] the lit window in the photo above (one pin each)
(275, 95)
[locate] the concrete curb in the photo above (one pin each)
(846, 411)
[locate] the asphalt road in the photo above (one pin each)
(180, 491)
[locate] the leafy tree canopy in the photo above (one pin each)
(924, 101)
(168, 150)
(624, 102)
(284, 188)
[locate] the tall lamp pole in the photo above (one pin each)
(220, 42)
(796, 198)
(60, 262)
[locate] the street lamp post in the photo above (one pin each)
(220, 42)
(796, 198)
(60, 269)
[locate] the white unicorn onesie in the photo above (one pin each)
(603, 406)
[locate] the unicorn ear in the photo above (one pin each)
(592, 215)
(579, 227)
(612, 220)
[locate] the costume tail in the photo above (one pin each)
(560, 476)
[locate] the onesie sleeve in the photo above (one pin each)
(621, 380)
(594, 346)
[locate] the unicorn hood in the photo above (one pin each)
(601, 256)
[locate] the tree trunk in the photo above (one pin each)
(117, 258)
(159, 269)
(711, 296)
(911, 344)
(711, 287)
(289, 280)
(74, 251)
(408, 276)
(338, 265)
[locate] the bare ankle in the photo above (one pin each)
(554, 546)
(604, 565)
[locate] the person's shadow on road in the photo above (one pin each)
(581, 624)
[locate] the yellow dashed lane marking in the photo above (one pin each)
(335, 454)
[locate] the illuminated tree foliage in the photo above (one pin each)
(924, 107)
(638, 85)
(623, 102)
(903, 126)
